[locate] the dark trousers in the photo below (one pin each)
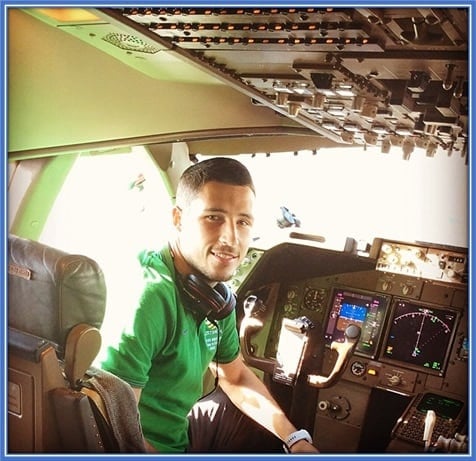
(217, 425)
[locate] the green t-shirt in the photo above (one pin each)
(166, 352)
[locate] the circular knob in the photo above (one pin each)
(357, 368)
(451, 273)
(332, 407)
(394, 380)
(352, 331)
(323, 405)
(337, 407)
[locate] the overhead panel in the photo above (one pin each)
(359, 76)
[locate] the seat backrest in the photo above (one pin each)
(56, 305)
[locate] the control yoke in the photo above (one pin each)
(302, 328)
(250, 325)
(344, 353)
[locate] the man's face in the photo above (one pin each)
(214, 230)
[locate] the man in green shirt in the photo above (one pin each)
(185, 322)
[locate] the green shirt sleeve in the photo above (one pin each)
(146, 336)
(229, 345)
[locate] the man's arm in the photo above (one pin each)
(148, 446)
(253, 398)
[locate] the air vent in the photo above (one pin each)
(130, 43)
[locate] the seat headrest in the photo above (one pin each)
(51, 291)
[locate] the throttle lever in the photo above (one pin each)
(430, 421)
(344, 353)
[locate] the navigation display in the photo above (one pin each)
(419, 336)
(366, 310)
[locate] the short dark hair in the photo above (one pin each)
(220, 169)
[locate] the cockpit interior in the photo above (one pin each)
(365, 344)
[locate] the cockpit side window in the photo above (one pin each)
(111, 207)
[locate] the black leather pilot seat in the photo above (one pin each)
(58, 402)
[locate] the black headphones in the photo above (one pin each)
(215, 303)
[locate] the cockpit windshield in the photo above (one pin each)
(360, 194)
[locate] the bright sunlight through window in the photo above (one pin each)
(339, 193)
(110, 208)
(113, 206)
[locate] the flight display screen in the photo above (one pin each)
(363, 309)
(443, 406)
(419, 336)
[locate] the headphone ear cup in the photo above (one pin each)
(216, 303)
(227, 301)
